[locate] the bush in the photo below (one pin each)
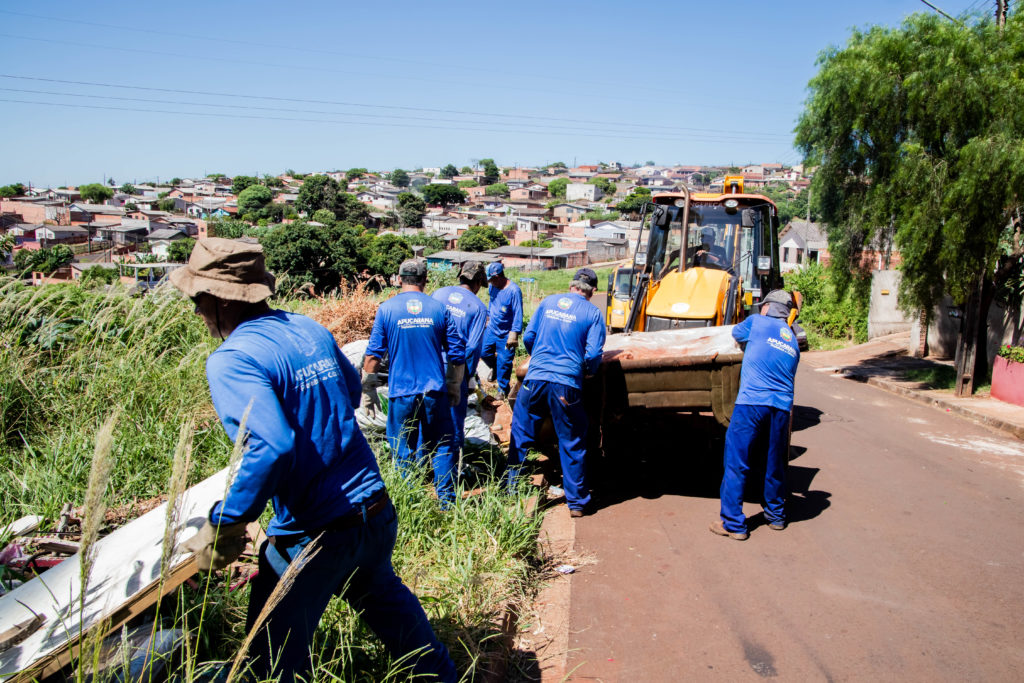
(828, 311)
(1013, 354)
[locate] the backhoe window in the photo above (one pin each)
(624, 280)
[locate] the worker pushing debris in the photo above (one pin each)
(565, 338)
(305, 452)
(414, 331)
(470, 316)
(504, 323)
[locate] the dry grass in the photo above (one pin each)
(348, 313)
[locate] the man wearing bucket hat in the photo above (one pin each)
(763, 405)
(283, 375)
(565, 339)
(505, 322)
(414, 331)
(470, 316)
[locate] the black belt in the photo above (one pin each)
(361, 515)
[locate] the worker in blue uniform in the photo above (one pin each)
(763, 406)
(417, 333)
(305, 453)
(505, 322)
(565, 339)
(470, 316)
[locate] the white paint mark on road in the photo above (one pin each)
(985, 444)
(916, 420)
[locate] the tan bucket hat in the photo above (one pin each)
(227, 269)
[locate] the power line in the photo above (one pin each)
(366, 105)
(955, 21)
(353, 123)
(569, 129)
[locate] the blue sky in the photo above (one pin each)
(403, 84)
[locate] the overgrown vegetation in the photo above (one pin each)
(70, 357)
(831, 312)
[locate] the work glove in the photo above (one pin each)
(371, 380)
(217, 548)
(453, 380)
(513, 340)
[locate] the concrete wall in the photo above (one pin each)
(884, 315)
(1005, 326)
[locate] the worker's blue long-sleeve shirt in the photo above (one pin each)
(304, 449)
(506, 310)
(415, 330)
(565, 339)
(470, 316)
(768, 373)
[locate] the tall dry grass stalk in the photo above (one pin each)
(175, 488)
(94, 506)
(93, 510)
(283, 587)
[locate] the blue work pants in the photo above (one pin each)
(747, 428)
(354, 563)
(537, 400)
(499, 358)
(420, 427)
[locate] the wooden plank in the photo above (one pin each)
(22, 526)
(125, 580)
(671, 399)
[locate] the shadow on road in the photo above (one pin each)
(805, 417)
(681, 455)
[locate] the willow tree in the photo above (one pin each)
(917, 133)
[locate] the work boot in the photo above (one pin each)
(576, 512)
(777, 525)
(718, 527)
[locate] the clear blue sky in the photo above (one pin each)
(403, 84)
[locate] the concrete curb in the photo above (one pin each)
(918, 396)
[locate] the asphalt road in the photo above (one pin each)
(903, 560)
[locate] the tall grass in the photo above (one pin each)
(69, 358)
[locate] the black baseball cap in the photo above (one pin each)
(413, 267)
(586, 276)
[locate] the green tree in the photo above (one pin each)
(410, 210)
(606, 186)
(325, 216)
(98, 275)
(348, 208)
(165, 205)
(399, 178)
(387, 253)
(355, 173)
(322, 256)
(240, 182)
(175, 181)
(648, 163)
(180, 250)
(231, 229)
(14, 190)
(556, 188)
(44, 261)
(449, 171)
(557, 164)
(131, 207)
(465, 170)
(6, 246)
(272, 181)
(94, 193)
(317, 192)
(127, 188)
(916, 133)
(497, 190)
(443, 195)
(254, 198)
(431, 243)
(635, 201)
(491, 172)
(536, 243)
(467, 183)
(481, 238)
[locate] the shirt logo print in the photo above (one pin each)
(414, 306)
(564, 303)
(455, 297)
(785, 334)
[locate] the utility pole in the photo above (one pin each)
(1000, 13)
